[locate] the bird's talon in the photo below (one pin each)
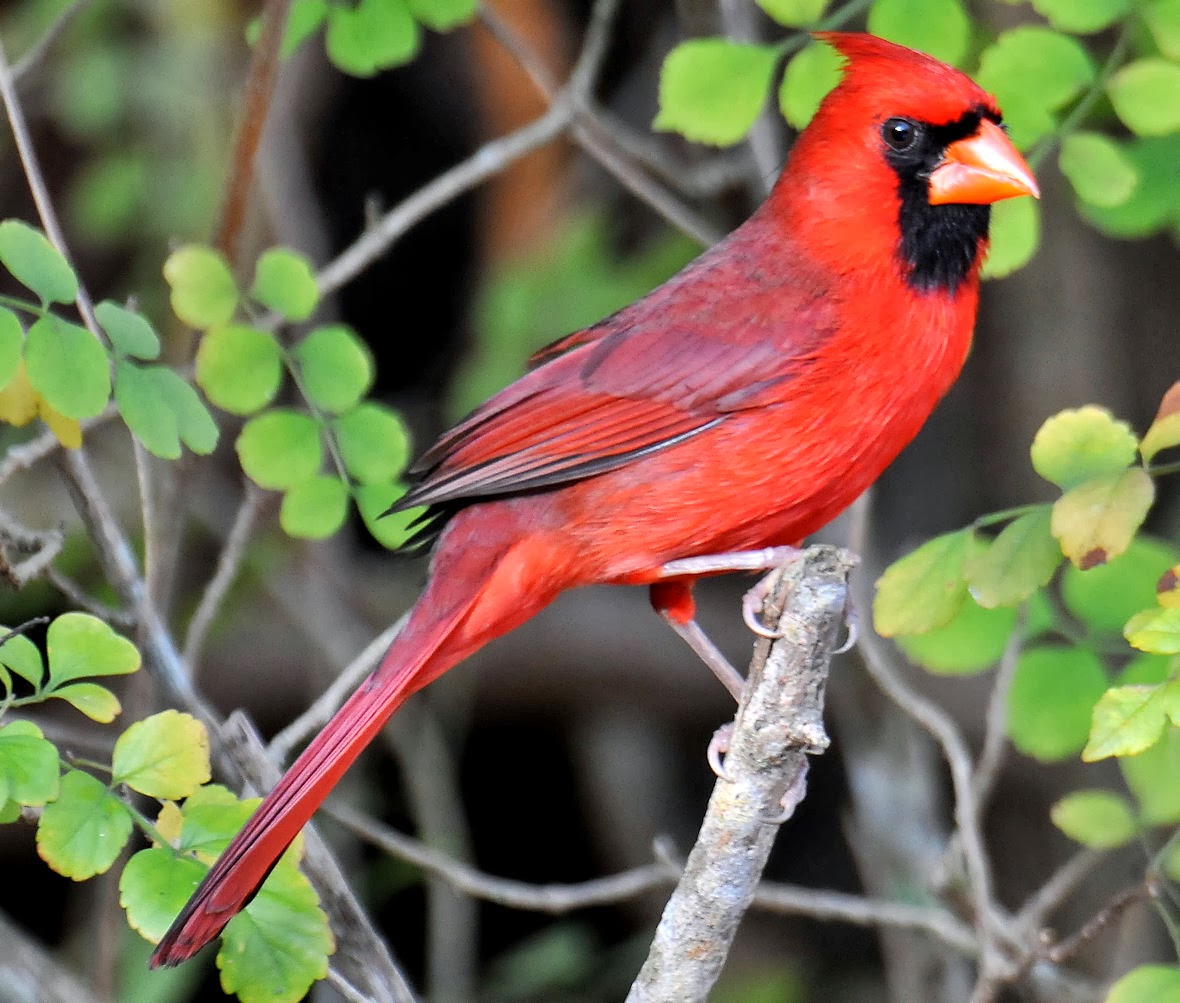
(852, 625)
(752, 607)
(718, 747)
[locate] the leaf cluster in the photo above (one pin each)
(1086, 605)
(1047, 77)
(86, 812)
(339, 446)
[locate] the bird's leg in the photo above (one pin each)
(673, 601)
(741, 560)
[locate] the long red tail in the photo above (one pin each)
(463, 608)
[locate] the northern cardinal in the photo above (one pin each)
(707, 427)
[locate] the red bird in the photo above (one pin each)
(709, 426)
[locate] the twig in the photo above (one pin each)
(859, 911)
(525, 55)
(361, 955)
(944, 730)
(995, 738)
(779, 723)
(317, 715)
(228, 564)
(39, 189)
(31, 59)
(1065, 949)
(489, 159)
(260, 80)
(554, 899)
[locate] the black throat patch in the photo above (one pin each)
(939, 243)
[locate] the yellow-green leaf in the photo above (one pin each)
(1127, 720)
(1164, 432)
(1097, 520)
(1155, 630)
(83, 832)
(1078, 445)
(163, 756)
(1098, 819)
(924, 589)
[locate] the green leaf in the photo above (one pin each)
(194, 423)
(371, 36)
(1146, 96)
(1020, 560)
(443, 15)
(68, 367)
(96, 702)
(1081, 17)
(1107, 596)
(1099, 169)
(1098, 819)
(1078, 445)
(374, 443)
(1097, 520)
(279, 945)
(711, 89)
(212, 816)
(145, 410)
(1156, 630)
(83, 832)
(1147, 984)
(1033, 71)
(35, 263)
(12, 343)
(809, 76)
(972, 641)
(204, 293)
(939, 27)
(1164, 432)
(336, 368)
(1015, 236)
(162, 410)
(314, 509)
(163, 756)
(1126, 721)
(304, 20)
(794, 13)
(285, 282)
(390, 529)
(131, 333)
(1163, 19)
(21, 655)
(153, 888)
(280, 448)
(240, 368)
(30, 770)
(1051, 700)
(1151, 777)
(924, 589)
(81, 645)
(1153, 205)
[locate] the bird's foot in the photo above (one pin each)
(718, 747)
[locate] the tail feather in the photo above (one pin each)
(238, 873)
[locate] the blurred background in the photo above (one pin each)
(561, 752)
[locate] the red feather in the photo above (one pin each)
(741, 405)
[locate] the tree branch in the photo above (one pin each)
(778, 725)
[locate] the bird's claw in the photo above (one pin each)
(752, 607)
(718, 747)
(791, 796)
(852, 625)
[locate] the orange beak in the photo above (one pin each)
(982, 169)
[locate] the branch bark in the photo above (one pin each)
(779, 724)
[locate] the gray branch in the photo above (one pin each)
(778, 725)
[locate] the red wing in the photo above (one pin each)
(705, 344)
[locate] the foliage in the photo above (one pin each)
(1083, 603)
(86, 811)
(1078, 686)
(1050, 80)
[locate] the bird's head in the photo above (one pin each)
(908, 150)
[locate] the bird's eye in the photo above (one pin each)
(900, 134)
